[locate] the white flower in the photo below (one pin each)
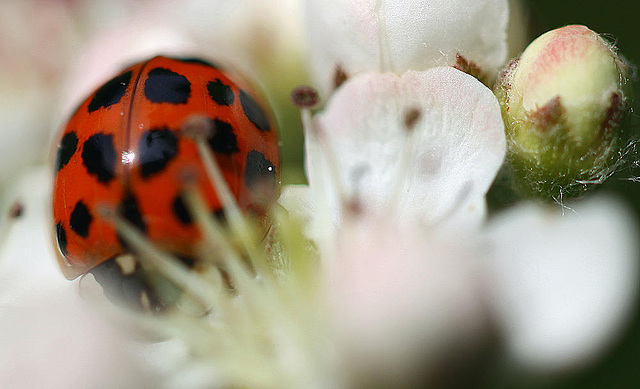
(398, 210)
(434, 169)
(398, 156)
(416, 155)
(377, 35)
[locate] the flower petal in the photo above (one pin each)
(50, 337)
(424, 145)
(410, 34)
(27, 256)
(36, 41)
(402, 302)
(564, 286)
(55, 341)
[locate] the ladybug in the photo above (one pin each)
(124, 147)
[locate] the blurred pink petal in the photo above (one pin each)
(402, 301)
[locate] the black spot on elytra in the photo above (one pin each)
(99, 157)
(67, 148)
(223, 141)
(164, 86)
(61, 238)
(259, 170)
(111, 92)
(220, 93)
(254, 112)
(180, 210)
(81, 219)
(198, 61)
(156, 149)
(130, 211)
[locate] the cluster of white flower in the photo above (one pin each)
(413, 275)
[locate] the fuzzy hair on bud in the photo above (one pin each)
(563, 101)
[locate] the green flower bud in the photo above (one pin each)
(562, 103)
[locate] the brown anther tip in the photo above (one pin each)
(339, 77)
(198, 126)
(17, 209)
(305, 97)
(188, 175)
(411, 117)
(106, 211)
(354, 207)
(469, 67)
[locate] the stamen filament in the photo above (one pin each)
(166, 264)
(244, 281)
(210, 228)
(236, 220)
(404, 166)
(386, 64)
(324, 152)
(329, 156)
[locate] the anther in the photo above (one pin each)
(304, 97)
(106, 211)
(198, 126)
(411, 117)
(17, 209)
(354, 206)
(339, 76)
(188, 175)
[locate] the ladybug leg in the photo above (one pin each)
(124, 282)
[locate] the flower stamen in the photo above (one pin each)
(153, 257)
(383, 41)
(411, 118)
(199, 129)
(316, 136)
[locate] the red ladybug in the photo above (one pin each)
(124, 147)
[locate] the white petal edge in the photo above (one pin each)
(438, 172)
(563, 286)
(419, 34)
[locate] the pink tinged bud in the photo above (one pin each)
(562, 102)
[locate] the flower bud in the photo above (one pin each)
(562, 103)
